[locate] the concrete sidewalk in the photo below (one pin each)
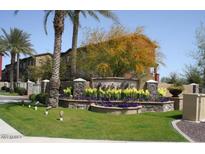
(10, 135)
(7, 132)
(55, 140)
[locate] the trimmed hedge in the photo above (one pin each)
(42, 98)
(20, 91)
(3, 88)
(7, 89)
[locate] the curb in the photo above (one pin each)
(174, 124)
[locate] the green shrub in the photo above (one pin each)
(3, 88)
(42, 98)
(7, 89)
(21, 91)
(32, 97)
(68, 91)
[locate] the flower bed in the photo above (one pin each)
(146, 106)
(116, 94)
(120, 98)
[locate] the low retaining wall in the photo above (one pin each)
(146, 106)
(74, 104)
(115, 110)
(157, 106)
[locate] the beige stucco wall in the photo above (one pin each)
(194, 107)
(42, 59)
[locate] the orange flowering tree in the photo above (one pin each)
(117, 52)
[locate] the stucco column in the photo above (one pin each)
(195, 88)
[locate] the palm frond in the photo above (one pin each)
(83, 13)
(70, 14)
(47, 13)
(17, 41)
(160, 58)
(16, 12)
(93, 14)
(108, 14)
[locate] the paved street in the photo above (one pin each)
(13, 99)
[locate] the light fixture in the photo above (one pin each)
(61, 115)
(46, 112)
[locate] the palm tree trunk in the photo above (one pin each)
(55, 81)
(13, 57)
(17, 69)
(74, 43)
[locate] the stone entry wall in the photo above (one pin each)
(146, 106)
(115, 82)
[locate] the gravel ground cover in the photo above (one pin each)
(196, 131)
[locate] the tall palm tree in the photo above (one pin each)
(15, 42)
(76, 16)
(58, 23)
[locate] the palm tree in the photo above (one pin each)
(76, 16)
(58, 23)
(15, 42)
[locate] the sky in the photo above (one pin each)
(173, 30)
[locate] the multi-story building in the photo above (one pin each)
(65, 72)
(24, 64)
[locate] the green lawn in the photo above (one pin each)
(83, 124)
(4, 93)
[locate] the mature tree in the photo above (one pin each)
(199, 55)
(15, 42)
(76, 16)
(117, 52)
(173, 78)
(192, 74)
